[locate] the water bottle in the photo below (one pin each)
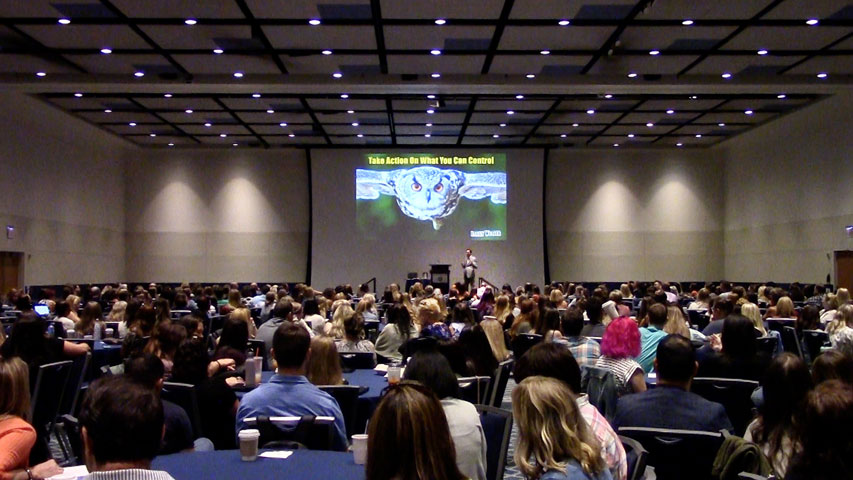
(251, 379)
(50, 331)
(97, 332)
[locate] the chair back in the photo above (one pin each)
(814, 340)
(498, 384)
(598, 383)
(347, 398)
(115, 327)
(767, 344)
(497, 427)
(733, 394)
(474, 389)
(776, 324)
(677, 454)
(309, 431)
(58, 328)
(78, 374)
(751, 476)
(698, 318)
(177, 314)
(791, 341)
(357, 360)
(635, 455)
(523, 342)
(416, 345)
(51, 386)
(185, 396)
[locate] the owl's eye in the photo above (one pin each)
(438, 187)
(416, 187)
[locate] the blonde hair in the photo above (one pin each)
(675, 322)
(73, 302)
(342, 312)
(626, 292)
(752, 312)
(429, 311)
(324, 364)
(14, 388)
(844, 316)
(551, 429)
(495, 334)
(502, 309)
(785, 308)
(556, 297)
(245, 315)
(117, 312)
(843, 296)
(366, 304)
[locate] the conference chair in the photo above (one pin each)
(347, 397)
(185, 396)
(677, 454)
(357, 360)
(309, 431)
(699, 319)
(791, 341)
(498, 384)
(767, 344)
(733, 394)
(78, 374)
(777, 324)
(474, 389)
(814, 341)
(635, 455)
(497, 427)
(523, 342)
(51, 384)
(177, 314)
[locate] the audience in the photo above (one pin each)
(90, 320)
(671, 404)
(651, 335)
(433, 370)
(841, 329)
(61, 311)
(585, 350)
(233, 342)
(311, 316)
(165, 343)
(354, 340)
(619, 346)
(282, 312)
(527, 317)
(496, 337)
(833, 365)
(739, 357)
(595, 314)
(289, 393)
(324, 364)
(396, 333)
(722, 308)
(431, 319)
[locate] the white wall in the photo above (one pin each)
(788, 195)
(642, 215)
(63, 190)
(217, 216)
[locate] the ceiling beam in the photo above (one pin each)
(496, 36)
(239, 120)
(611, 40)
(258, 32)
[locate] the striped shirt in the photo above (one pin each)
(130, 474)
(623, 369)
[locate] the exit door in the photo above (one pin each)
(10, 271)
(844, 269)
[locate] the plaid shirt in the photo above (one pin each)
(611, 447)
(585, 350)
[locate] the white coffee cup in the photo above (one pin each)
(359, 448)
(249, 444)
(110, 333)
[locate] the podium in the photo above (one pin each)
(440, 275)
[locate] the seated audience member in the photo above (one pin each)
(651, 335)
(121, 428)
(619, 346)
(785, 386)
(147, 370)
(671, 404)
(233, 342)
(753, 313)
(702, 300)
(194, 325)
(550, 360)
(528, 316)
(117, 312)
(676, 322)
(595, 327)
(165, 342)
(431, 319)
(311, 316)
(283, 312)
(554, 441)
(90, 320)
(503, 311)
(433, 370)
(245, 315)
(841, 329)
(341, 310)
(17, 437)
(585, 350)
(324, 364)
(785, 308)
(461, 318)
(62, 310)
(722, 308)
(824, 426)
(549, 325)
(739, 357)
(833, 365)
(354, 340)
(497, 340)
(367, 308)
(396, 333)
(233, 302)
(289, 393)
(410, 422)
(217, 402)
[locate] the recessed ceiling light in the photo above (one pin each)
(726, 75)
(208, 124)
(563, 22)
(440, 21)
(167, 95)
(292, 135)
(575, 124)
(679, 144)
(590, 112)
(314, 21)
(430, 111)
(721, 124)
(435, 51)
(670, 112)
(530, 75)
(762, 52)
(502, 125)
(139, 74)
(427, 135)
(337, 74)
(132, 124)
(510, 112)
(234, 144)
(428, 124)
(632, 75)
(171, 144)
(687, 22)
(430, 96)
(563, 135)
(190, 21)
(360, 135)
(106, 51)
(354, 124)
(350, 111)
(822, 75)
(545, 52)
(188, 111)
(698, 135)
(326, 52)
(218, 51)
(41, 74)
(630, 135)
(693, 97)
(223, 135)
(495, 136)
(238, 74)
(64, 21)
(435, 75)
(256, 95)
(608, 96)
(152, 134)
(282, 124)
(108, 111)
(650, 124)
(519, 97)
(78, 95)
(748, 112)
(615, 144)
(270, 111)
(812, 21)
(654, 52)
(344, 96)
(781, 96)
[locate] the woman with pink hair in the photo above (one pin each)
(619, 346)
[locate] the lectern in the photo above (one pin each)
(440, 275)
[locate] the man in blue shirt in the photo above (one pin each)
(651, 336)
(289, 393)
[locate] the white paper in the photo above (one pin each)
(280, 454)
(381, 368)
(71, 473)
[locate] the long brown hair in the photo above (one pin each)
(529, 313)
(89, 320)
(324, 364)
(14, 388)
(410, 422)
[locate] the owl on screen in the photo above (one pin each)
(430, 193)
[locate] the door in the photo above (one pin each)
(844, 269)
(10, 271)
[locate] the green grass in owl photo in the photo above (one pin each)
(436, 196)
